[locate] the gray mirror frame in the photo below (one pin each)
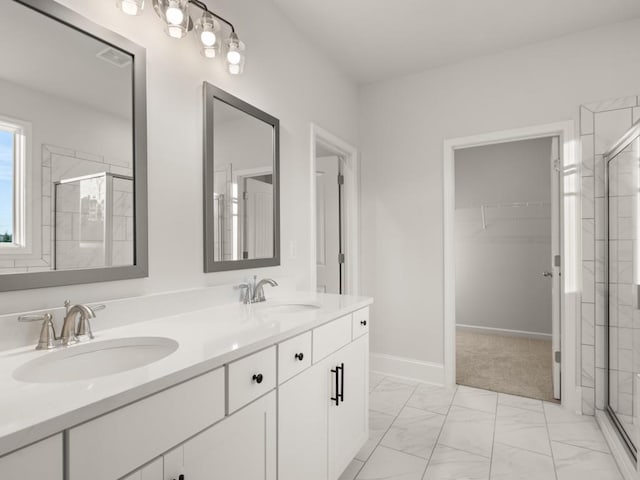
(211, 93)
(140, 269)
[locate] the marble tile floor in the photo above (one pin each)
(423, 432)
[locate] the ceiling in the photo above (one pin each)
(49, 57)
(373, 40)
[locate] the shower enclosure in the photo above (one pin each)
(622, 277)
(93, 218)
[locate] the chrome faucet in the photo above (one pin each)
(258, 290)
(70, 329)
(254, 292)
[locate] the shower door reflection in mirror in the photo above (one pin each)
(622, 189)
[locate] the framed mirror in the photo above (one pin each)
(241, 184)
(73, 191)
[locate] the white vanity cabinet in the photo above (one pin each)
(42, 460)
(348, 421)
(110, 446)
(293, 410)
(242, 446)
(318, 435)
(152, 471)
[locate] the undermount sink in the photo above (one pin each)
(293, 307)
(95, 359)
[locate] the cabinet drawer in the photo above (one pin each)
(360, 322)
(35, 462)
(331, 337)
(294, 356)
(117, 443)
(251, 377)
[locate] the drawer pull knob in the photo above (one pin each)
(363, 323)
(257, 378)
(299, 356)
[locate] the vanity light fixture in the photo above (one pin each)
(178, 23)
(130, 7)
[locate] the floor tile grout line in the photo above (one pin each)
(473, 409)
(493, 440)
(390, 425)
(608, 452)
(553, 457)
(437, 442)
(402, 451)
(525, 449)
(464, 451)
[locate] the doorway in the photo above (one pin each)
(330, 272)
(335, 210)
(507, 297)
(565, 267)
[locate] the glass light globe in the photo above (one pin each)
(175, 31)
(234, 57)
(209, 52)
(208, 38)
(234, 69)
(174, 13)
(130, 7)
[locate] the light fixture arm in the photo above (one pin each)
(202, 6)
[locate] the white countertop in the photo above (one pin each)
(207, 339)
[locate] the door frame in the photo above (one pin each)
(351, 207)
(570, 247)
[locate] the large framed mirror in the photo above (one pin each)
(241, 184)
(73, 172)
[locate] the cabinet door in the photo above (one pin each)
(152, 471)
(35, 462)
(348, 421)
(241, 447)
(302, 426)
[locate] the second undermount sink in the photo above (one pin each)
(95, 359)
(290, 307)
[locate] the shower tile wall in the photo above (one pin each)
(601, 125)
(58, 163)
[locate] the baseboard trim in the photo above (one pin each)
(504, 331)
(618, 450)
(407, 368)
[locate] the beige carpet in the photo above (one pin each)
(515, 365)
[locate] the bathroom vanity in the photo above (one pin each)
(277, 390)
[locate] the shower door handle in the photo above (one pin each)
(547, 274)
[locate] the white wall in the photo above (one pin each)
(403, 125)
(284, 76)
(499, 282)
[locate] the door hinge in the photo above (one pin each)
(556, 260)
(556, 165)
(245, 195)
(341, 258)
(557, 357)
(340, 179)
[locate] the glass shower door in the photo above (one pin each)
(622, 173)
